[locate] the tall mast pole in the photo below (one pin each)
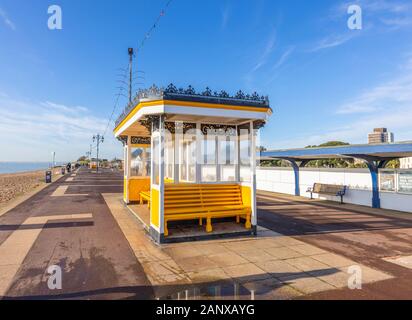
(130, 73)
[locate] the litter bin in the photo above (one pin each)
(48, 176)
(63, 171)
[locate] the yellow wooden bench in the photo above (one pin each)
(145, 195)
(190, 202)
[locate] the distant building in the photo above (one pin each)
(380, 135)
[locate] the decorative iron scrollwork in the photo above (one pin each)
(172, 91)
(240, 95)
(190, 91)
(258, 124)
(207, 92)
(172, 88)
(122, 139)
(149, 121)
(218, 129)
(140, 140)
(171, 127)
(223, 94)
(188, 126)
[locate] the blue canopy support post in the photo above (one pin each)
(374, 166)
(296, 166)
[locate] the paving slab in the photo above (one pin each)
(71, 232)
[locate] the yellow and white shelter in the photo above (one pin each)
(192, 156)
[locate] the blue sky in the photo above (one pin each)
(325, 81)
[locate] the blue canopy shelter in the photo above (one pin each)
(376, 157)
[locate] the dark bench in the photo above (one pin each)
(328, 189)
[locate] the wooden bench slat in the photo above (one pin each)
(188, 202)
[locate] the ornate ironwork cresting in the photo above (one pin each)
(171, 92)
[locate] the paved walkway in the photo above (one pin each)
(271, 266)
(69, 225)
(303, 250)
(379, 239)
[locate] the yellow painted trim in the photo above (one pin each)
(140, 145)
(125, 188)
(188, 104)
(215, 106)
(135, 110)
(136, 185)
(154, 207)
(246, 196)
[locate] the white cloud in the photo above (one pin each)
(374, 6)
(378, 16)
(395, 93)
(6, 20)
(334, 41)
(397, 120)
(385, 105)
(60, 107)
(29, 131)
(283, 58)
(397, 22)
(226, 11)
(264, 57)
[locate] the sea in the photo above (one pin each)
(14, 167)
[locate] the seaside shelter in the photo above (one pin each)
(190, 158)
(375, 156)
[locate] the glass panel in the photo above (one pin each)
(244, 173)
(227, 173)
(183, 162)
(209, 150)
(227, 158)
(156, 161)
(148, 161)
(244, 150)
(387, 181)
(140, 162)
(188, 161)
(208, 171)
(226, 150)
(405, 181)
(192, 160)
(169, 160)
(137, 162)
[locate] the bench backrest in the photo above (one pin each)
(201, 195)
(328, 188)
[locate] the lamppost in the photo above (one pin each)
(98, 139)
(53, 159)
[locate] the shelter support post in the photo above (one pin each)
(253, 178)
(296, 170)
(157, 229)
(374, 166)
(127, 156)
